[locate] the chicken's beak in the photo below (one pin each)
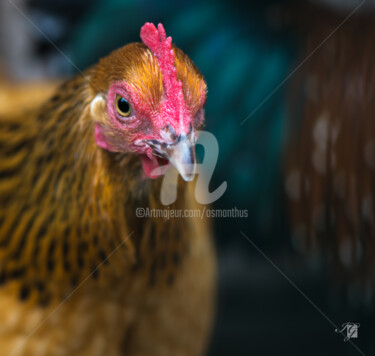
(180, 153)
(182, 156)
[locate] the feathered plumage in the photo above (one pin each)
(81, 274)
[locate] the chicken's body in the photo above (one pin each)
(81, 274)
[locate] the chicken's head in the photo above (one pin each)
(148, 100)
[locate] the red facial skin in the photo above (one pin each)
(126, 134)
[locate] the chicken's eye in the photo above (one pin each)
(122, 106)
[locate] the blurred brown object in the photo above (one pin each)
(330, 162)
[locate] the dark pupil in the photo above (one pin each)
(123, 105)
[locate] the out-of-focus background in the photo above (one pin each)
(291, 102)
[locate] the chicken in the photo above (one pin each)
(80, 272)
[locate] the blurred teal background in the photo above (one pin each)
(245, 50)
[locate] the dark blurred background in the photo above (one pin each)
(282, 77)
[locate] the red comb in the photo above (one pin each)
(161, 47)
